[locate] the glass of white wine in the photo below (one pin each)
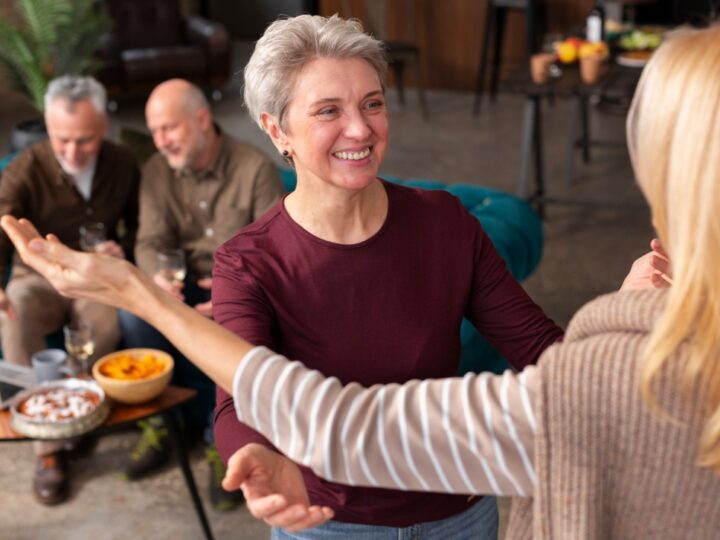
(91, 236)
(80, 345)
(171, 264)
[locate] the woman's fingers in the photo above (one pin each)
(21, 234)
(16, 231)
(275, 509)
(264, 507)
(657, 247)
(292, 518)
(316, 516)
(660, 262)
(53, 260)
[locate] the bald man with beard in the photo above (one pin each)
(197, 191)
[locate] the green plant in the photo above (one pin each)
(54, 37)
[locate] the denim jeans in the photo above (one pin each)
(479, 522)
(137, 333)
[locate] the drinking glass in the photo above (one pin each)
(80, 345)
(91, 236)
(171, 264)
(549, 42)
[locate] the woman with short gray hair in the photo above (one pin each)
(361, 278)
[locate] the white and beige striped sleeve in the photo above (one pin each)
(458, 435)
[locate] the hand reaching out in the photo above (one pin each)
(274, 489)
(97, 277)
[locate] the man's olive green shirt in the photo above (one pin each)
(199, 211)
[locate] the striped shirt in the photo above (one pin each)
(472, 435)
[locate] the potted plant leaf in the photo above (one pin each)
(52, 38)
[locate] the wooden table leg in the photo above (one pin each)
(181, 452)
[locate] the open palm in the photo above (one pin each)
(274, 488)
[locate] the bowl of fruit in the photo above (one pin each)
(592, 56)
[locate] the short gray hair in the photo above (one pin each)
(75, 89)
(288, 44)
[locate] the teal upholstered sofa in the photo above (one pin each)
(516, 232)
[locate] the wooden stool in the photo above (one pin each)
(399, 53)
(495, 19)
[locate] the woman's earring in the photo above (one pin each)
(285, 153)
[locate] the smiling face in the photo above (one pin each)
(76, 131)
(181, 135)
(336, 126)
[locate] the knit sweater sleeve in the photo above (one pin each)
(457, 435)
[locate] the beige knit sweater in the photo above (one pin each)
(608, 467)
(575, 433)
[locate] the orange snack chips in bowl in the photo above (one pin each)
(134, 375)
(128, 367)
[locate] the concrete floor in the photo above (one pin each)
(587, 252)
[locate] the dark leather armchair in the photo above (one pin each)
(151, 41)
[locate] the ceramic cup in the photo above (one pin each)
(592, 68)
(540, 67)
(50, 365)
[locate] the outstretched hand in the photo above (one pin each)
(274, 489)
(101, 278)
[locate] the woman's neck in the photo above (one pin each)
(337, 215)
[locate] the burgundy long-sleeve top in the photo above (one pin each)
(385, 310)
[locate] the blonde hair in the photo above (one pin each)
(674, 137)
(288, 44)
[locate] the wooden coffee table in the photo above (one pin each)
(166, 405)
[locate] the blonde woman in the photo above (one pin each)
(615, 434)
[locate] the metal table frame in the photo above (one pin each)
(619, 83)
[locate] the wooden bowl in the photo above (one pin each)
(133, 391)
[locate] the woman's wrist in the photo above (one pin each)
(143, 297)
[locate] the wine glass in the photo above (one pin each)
(171, 264)
(549, 46)
(91, 236)
(80, 345)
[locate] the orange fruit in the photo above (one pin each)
(567, 52)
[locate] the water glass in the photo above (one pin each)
(91, 236)
(171, 264)
(80, 345)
